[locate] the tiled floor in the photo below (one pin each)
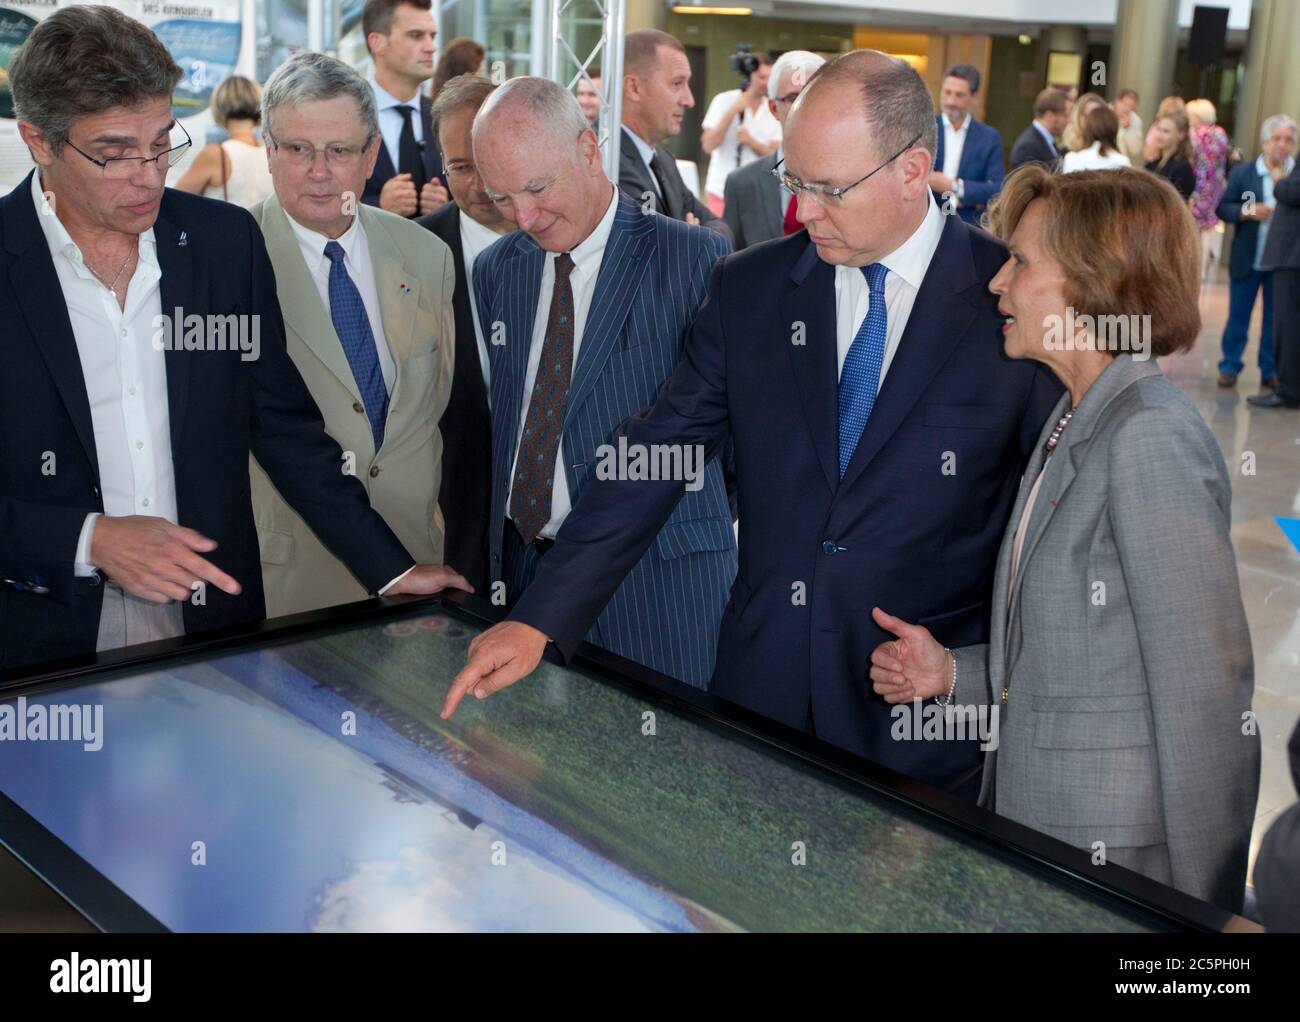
(1269, 567)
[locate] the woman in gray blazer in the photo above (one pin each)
(1119, 664)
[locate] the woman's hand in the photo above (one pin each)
(912, 666)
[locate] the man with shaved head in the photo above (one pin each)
(586, 308)
(879, 435)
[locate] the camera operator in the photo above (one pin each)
(738, 128)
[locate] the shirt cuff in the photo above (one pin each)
(959, 187)
(81, 561)
(396, 580)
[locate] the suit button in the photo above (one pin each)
(829, 546)
(358, 407)
(374, 471)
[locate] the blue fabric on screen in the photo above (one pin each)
(860, 377)
(352, 325)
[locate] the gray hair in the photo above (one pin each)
(1271, 125)
(792, 60)
(309, 77)
(554, 108)
(896, 104)
(82, 60)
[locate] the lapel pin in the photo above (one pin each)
(1055, 503)
(182, 241)
(404, 289)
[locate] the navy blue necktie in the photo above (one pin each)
(860, 377)
(353, 327)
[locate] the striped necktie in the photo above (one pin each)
(860, 377)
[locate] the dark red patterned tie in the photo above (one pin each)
(530, 495)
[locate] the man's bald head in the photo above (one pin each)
(887, 93)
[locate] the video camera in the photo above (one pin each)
(744, 63)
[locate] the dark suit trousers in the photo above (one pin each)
(520, 560)
(1286, 329)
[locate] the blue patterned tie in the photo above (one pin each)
(353, 327)
(860, 377)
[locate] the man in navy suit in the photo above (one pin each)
(585, 308)
(1037, 143)
(407, 179)
(879, 434)
(968, 160)
(144, 360)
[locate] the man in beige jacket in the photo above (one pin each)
(366, 298)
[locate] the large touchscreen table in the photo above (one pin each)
(312, 786)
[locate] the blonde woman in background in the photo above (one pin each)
(234, 170)
(1100, 143)
(1209, 160)
(1168, 105)
(1072, 137)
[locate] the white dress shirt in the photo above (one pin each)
(126, 385)
(474, 240)
(582, 280)
(954, 142)
(907, 266)
(391, 119)
(356, 260)
(647, 152)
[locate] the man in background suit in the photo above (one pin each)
(1282, 255)
(592, 298)
(128, 406)
(469, 225)
(852, 493)
(968, 157)
(1248, 202)
(757, 206)
(656, 91)
(407, 177)
(1037, 143)
(366, 298)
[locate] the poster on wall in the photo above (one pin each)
(203, 36)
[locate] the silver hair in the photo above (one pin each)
(309, 77)
(554, 108)
(1271, 125)
(802, 60)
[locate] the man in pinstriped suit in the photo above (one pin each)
(585, 309)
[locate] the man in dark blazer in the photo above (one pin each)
(836, 517)
(408, 176)
(1282, 256)
(128, 412)
(1037, 143)
(1248, 202)
(968, 158)
(756, 206)
(656, 91)
(469, 225)
(591, 300)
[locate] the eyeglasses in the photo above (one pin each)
(337, 154)
(121, 167)
(789, 97)
(824, 195)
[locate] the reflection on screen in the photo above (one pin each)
(312, 786)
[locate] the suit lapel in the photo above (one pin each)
(300, 302)
(769, 199)
(633, 171)
(398, 286)
(943, 310)
(176, 289)
(36, 285)
(674, 186)
(430, 155)
(815, 362)
(625, 263)
(1073, 445)
(522, 282)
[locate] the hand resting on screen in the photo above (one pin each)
(502, 655)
